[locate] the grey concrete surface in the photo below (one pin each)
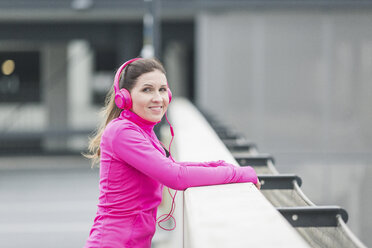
(46, 201)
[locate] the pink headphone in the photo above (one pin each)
(122, 96)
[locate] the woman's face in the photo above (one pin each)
(150, 96)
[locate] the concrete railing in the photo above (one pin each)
(233, 215)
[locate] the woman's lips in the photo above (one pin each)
(156, 109)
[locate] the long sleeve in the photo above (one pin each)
(205, 164)
(131, 146)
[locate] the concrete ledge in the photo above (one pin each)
(232, 215)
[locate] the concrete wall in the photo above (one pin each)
(298, 83)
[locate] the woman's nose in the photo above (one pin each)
(157, 97)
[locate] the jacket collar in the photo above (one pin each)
(133, 117)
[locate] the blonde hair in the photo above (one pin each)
(110, 111)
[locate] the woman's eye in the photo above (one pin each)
(163, 89)
(146, 90)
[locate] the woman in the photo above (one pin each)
(134, 166)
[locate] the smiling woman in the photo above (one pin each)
(134, 165)
(150, 96)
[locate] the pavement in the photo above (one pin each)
(46, 201)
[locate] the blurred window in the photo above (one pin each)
(20, 76)
(105, 58)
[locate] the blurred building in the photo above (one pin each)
(58, 60)
(295, 77)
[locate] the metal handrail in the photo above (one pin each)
(349, 233)
(279, 181)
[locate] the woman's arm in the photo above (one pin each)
(205, 164)
(132, 147)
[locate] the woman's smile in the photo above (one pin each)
(156, 109)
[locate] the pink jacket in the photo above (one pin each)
(133, 170)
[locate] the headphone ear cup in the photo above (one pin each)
(119, 100)
(170, 95)
(123, 99)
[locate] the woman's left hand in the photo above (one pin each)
(258, 184)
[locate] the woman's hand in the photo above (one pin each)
(258, 184)
(224, 163)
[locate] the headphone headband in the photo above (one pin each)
(118, 73)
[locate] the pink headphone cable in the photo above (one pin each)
(168, 216)
(173, 206)
(172, 133)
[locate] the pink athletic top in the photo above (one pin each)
(133, 170)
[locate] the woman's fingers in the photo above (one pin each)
(258, 185)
